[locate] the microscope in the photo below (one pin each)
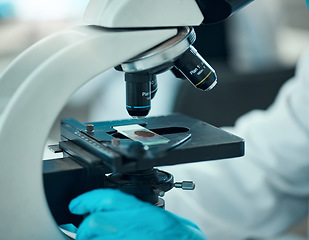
(142, 38)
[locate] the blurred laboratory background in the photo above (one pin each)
(253, 53)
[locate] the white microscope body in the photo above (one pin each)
(38, 83)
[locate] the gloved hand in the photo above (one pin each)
(116, 215)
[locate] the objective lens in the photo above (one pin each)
(196, 69)
(138, 94)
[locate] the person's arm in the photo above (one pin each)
(266, 191)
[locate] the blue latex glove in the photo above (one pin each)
(116, 215)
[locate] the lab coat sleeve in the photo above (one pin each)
(265, 192)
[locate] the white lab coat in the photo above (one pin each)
(265, 192)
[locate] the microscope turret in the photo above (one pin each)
(177, 54)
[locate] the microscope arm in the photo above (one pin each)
(34, 89)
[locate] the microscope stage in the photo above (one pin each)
(182, 140)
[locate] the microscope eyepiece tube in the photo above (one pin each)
(138, 94)
(196, 69)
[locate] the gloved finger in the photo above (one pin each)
(111, 199)
(106, 225)
(103, 200)
(127, 225)
(119, 225)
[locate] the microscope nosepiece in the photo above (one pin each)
(177, 54)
